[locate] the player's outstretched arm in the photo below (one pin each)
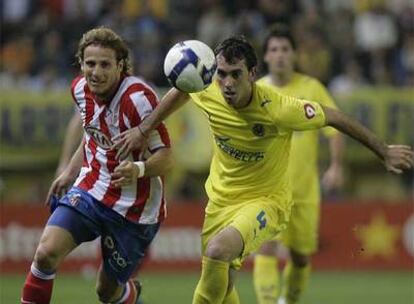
(396, 158)
(62, 183)
(135, 138)
(157, 165)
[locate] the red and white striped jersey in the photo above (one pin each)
(143, 202)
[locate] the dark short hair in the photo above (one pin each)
(279, 30)
(237, 48)
(107, 38)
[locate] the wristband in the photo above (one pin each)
(141, 167)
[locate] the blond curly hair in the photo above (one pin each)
(106, 37)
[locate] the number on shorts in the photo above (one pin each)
(262, 220)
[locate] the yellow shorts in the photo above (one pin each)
(257, 220)
(301, 234)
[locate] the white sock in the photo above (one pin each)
(41, 274)
(281, 301)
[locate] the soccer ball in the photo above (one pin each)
(190, 65)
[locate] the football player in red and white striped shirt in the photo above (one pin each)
(122, 201)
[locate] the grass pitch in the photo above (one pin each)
(177, 288)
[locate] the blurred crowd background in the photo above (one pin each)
(341, 42)
(348, 45)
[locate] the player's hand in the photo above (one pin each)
(398, 158)
(128, 141)
(124, 174)
(60, 186)
(333, 177)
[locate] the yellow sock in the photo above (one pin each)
(232, 297)
(266, 279)
(295, 280)
(212, 287)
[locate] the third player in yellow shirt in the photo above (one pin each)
(301, 234)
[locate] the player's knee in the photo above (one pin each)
(225, 246)
(218, 251)
(299, 260)
(46, 258)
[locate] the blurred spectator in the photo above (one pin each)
(48, 78)
(376, 34)
(403, 63)
(111, 15)
(251, 24)
(14, 11)
(183, 16)
(214, 25)
(332, 6)
(75, 9)
(52, 53)
(17, 57)
(279, 10)
(345, 83)
(314, 56)
(134, 8)
(341, 39)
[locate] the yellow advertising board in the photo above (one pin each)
(387, 111)
(32, 126)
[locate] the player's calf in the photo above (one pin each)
(54, 245)
(38, 286)
(39, 281)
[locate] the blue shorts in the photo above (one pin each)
(123, 243)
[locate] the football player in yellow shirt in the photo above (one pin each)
(249, 186)
(301, 235)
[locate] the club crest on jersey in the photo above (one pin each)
(310, 111)
(74, 199)
(99, 137)
(258, 130)
(265, 102)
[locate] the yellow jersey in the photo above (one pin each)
(305, 145)
(252, 144)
